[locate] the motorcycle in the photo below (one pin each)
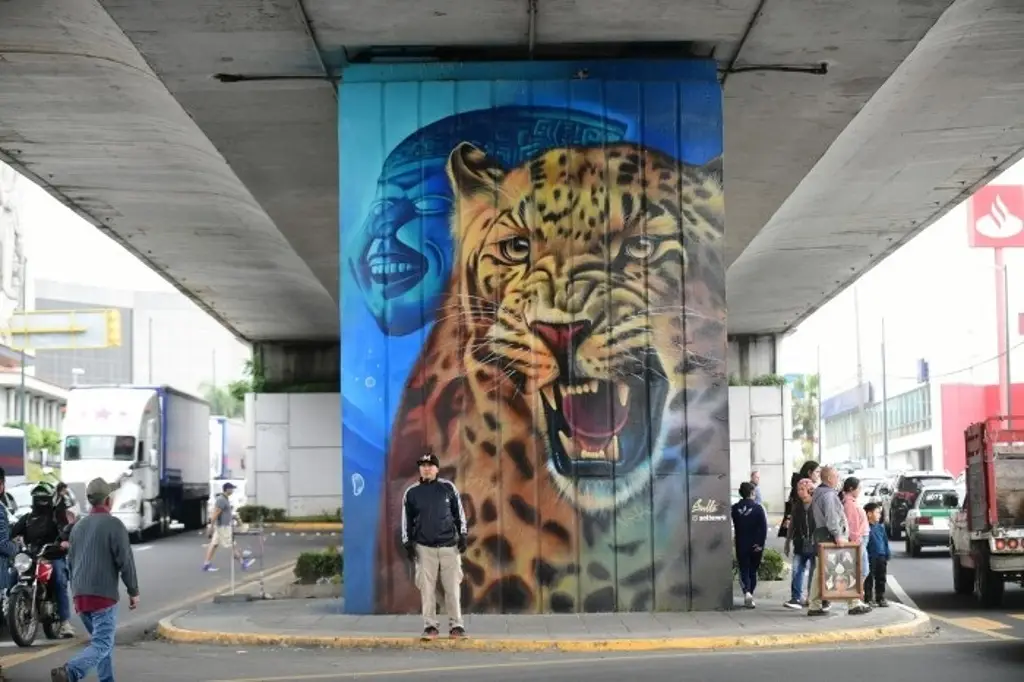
(33, 600)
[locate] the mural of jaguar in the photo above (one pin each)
(574, 376)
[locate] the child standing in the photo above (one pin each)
(878, 557)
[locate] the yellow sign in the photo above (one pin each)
(66, 329)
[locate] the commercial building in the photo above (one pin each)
(42, 400)
(165, 339)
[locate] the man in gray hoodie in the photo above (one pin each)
(829, 526)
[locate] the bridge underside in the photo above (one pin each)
(201, 134)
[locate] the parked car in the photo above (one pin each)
(899, 496)
(928, 519)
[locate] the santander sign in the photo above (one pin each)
(995, 217)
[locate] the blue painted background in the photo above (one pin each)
(397, 126)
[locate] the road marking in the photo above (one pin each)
(142, 549)
(900, 593)
(1018, 616)
(7, 662)
(982, 626)
(629, 658)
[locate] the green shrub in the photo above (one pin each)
(276, 515)
(312, 567)
(252, 513)
(773, 565)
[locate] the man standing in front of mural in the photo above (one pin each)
(434, 535)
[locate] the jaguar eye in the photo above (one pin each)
(515, 249)
(640, 248)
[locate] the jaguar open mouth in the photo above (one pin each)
(602, 428)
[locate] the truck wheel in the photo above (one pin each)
(989, 585)
(963, 577)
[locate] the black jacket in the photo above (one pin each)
(38, 528)
(751, 524)
(432, 514)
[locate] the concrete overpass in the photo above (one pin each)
(201, 134)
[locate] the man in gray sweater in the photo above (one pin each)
(829, 527)
(99, 554)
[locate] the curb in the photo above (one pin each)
(305, 526)
(918, 625)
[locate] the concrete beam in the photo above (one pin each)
(298, 366)
(752, 355)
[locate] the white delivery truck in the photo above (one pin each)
(152, 440)
(227, 448)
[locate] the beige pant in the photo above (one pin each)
(446, 562)
(223, 536)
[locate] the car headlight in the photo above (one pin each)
(130, 505)
(22, 562)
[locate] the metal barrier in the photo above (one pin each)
(250, 531)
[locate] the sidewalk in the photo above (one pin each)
(320, 623)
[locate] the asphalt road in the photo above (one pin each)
(935, 660)
(926, 583)
(170, 579)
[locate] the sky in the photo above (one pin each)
(935, 298)
(47, 223)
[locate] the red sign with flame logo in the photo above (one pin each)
(995, 217)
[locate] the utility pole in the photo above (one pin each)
(149, 339)
(22, 398)
(885, 408)
(821, 422)
(861, 412)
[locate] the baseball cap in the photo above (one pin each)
(98, 490)
(429, 458)
(228, 486)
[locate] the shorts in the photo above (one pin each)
(223, 536)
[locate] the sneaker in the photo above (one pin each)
(817, 612)
(882, 603)
(748, 601)
(457, 632)
(66, 631)
(826, 606)
(794, 604)
(859, 610)
(60, 675)
(247, 563)
(429, 633)
(210, 568)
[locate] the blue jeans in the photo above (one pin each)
(60, 578)
(99, 653)
(801, 563)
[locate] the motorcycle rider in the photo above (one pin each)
(44, 524)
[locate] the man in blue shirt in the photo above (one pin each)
(751, 526)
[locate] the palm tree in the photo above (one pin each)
(805, 412)
(222, 401)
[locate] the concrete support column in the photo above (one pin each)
(299, 366)
(752, 355)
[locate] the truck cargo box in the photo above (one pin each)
(995, 475)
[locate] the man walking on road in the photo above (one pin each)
(434, 535)
(221, 531)
(100, 552)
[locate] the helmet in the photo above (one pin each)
(42, 491)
